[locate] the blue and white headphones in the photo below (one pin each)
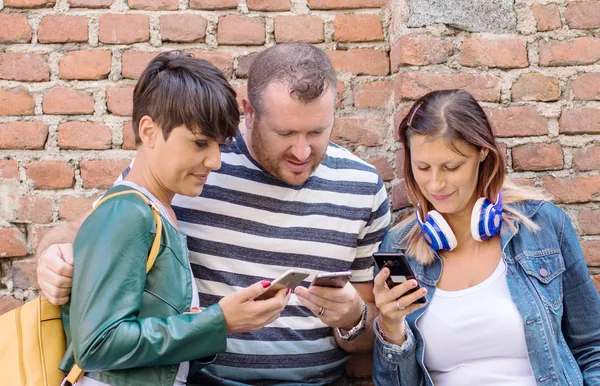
(486, 221)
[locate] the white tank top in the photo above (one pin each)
(475, 336)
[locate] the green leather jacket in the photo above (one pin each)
(126, 328)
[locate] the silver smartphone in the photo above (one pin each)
(289, 279)
(332, 279)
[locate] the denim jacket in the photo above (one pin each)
(551, 287)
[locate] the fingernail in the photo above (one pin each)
(195, 309)
(265, 283)
(288, 291)
(413, 283)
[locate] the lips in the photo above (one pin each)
(298, 167)
(201, 177)
(440, 197)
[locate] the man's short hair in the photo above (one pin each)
(305, 68)
(177, 89)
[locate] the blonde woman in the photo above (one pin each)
(509, 297)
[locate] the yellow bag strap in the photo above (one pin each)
(76, 372)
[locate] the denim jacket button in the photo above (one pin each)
(389, 356)
(543, 272)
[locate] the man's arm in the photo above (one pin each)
(364, 342)
(55, 261)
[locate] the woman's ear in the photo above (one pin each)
(148, 131)
(483, 154)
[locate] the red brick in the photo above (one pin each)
(63, 100)
(16, 101)
(400, 198)
(536, 87)
(400, 162)
(520, 121)
(23, 66)
(398, 117)
(154, 5)
(360, 131)
(499, 52)
(522, 181)
(485, 88)
(244, 64)
(24, 274)
(591, 253)
(213, 4)
(13, 243)
(35, 234)
(587, 159)
(357, 28)
(417, 50)
(182, 28)
(15, 28)
(29, 3)
(101, 174)
(287, 27)
(340, 94)
(374, 94)
(128, 137)
(124, 29)
(269, 5)
(384, 168)
(35, 209)
(241, 30)
(133, 63)
(84, 135)
(222, 60)
(567, 190)
(71, 208)
(589, 221)
(346, 4)
(85, 65)
(584, 15)
(586, 87)
(537, 157)
(573, 52)
(8, 303)
(361, 61)
(9, 170)
(23, 135)
(546, 16)
(120, 100)
(63, 29)
(90, 3)
(580, 121)
(241, 91)
(50, 174)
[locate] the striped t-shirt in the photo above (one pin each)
(248, 226)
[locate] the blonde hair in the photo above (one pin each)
(417, 247)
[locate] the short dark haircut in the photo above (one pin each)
(453, 115)
(177, 89)
(305, 68)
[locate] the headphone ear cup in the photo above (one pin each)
(486, 218)
(437, 232)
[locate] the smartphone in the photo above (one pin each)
(289, 279)
(332, 279)
(400, 270)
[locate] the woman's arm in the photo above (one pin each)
(581, 317)
(110, 251)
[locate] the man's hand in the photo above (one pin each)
(55, 273)
(342, 307)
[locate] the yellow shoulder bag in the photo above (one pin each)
(32, 341)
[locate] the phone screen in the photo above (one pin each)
(400, 270)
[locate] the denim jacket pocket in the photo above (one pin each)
(545, 271)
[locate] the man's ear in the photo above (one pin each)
(249, 113)
(148, 131)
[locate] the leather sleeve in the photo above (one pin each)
(109, 279)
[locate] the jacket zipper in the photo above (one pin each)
(20, 347)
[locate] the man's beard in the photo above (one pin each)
(272, 163)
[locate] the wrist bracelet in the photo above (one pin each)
(394, 339)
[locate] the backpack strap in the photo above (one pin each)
(76, 372)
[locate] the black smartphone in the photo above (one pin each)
(400, 270)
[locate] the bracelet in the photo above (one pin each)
(394, 339)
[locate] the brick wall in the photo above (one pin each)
(68, 67)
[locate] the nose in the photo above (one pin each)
(437, 182)
(213, 156)
(301, 149)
